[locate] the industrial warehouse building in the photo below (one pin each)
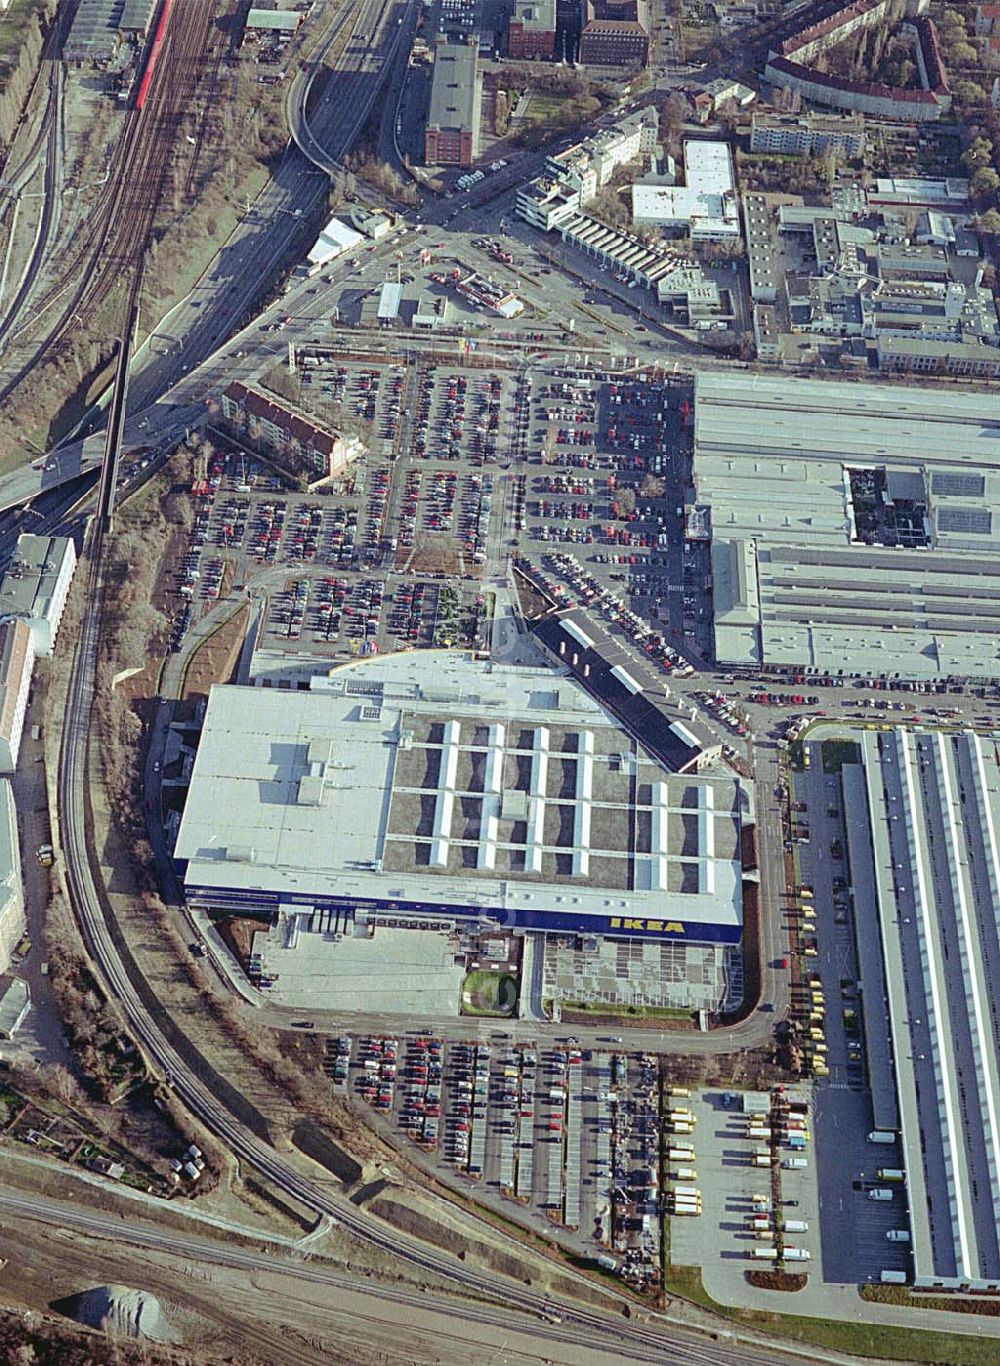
(924, 812)
(854, 528)
(574, 640)
(335, 239)
(443, 791)
(99, 26)
(705, 206)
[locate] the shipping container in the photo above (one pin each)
(763, 1254)
(795, 1254)
(796, 1226)
(891, 1174)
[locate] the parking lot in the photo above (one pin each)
(389, 556)
(570, 1135)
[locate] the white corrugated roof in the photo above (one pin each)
(335, 238)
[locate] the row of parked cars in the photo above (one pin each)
(376, 1064)
(468, 1081)
(420, 1112)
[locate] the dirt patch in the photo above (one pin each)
(238, 936)
(431, 559)
(319, 1146)
(216, 658)
(595, 1016)
(917, 1299)
(306, 1050)
(142, 686)
(428, 1228)
(778, 1280)
(533, 602)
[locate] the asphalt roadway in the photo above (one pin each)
(282, 218)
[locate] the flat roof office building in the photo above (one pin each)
(36, 585)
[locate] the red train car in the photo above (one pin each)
(154, 53)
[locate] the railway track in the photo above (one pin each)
(207, 87)
(120, 223)
(212, 1099)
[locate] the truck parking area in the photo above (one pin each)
(754, 1169)
(854, 1226)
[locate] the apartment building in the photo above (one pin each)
(17, 660)
(302, 444)
(36, 585)
(12, 921)
(808, 134)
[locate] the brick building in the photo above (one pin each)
(531, 30)
(451, 135)
(615, 33)
(301, 444)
